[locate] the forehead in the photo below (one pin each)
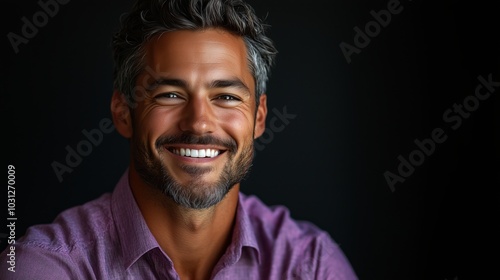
(188, 52)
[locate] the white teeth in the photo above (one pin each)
(196, 153)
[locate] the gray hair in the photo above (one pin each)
(149, 18)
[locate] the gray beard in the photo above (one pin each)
(197, 194)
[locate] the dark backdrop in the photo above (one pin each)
(352, 123)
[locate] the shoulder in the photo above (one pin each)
(300, 249)
(78, 226)
(275, 221)
(54, 250)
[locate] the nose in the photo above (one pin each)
(198, 117)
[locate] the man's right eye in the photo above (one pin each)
(168, 98)
(167, 95)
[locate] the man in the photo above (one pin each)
(190, 80)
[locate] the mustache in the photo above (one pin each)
(188, 138)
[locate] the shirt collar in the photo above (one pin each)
(243, 232)
(136, 239)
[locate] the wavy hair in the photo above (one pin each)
(149, 18)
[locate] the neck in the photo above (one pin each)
(194, 239)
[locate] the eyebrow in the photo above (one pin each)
(167, 82)
(230, 83)
(234, 83)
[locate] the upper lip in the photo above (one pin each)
(195, 147)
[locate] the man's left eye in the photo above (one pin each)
(228, 98)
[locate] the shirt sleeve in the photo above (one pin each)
(34, 262)
(325, 261)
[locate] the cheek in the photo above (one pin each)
(152, 123)
(238, 124)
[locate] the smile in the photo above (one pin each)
(196, 153)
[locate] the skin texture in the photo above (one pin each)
(194, 239)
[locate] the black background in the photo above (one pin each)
(352, 122)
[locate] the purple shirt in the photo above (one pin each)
(108, 238)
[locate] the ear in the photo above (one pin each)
(121, 114)
(260, 118)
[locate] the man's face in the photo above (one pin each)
(194, 128)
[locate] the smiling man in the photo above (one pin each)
(190, 81)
